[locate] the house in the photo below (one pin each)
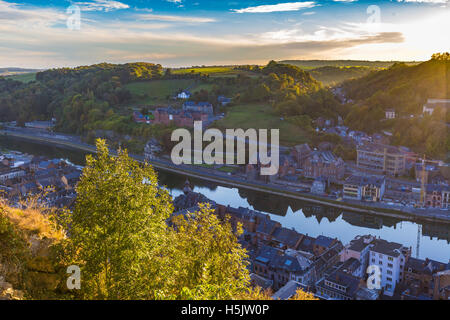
(11, 173)
(223, 101)
(289, 290)
(300, 152)
(367, 188)
(390, 259)
(441, 285)
(358, 249)
(418, 276)
(265, 228)
(287, 238)
(287, 165)
(258, 281)
(184, 95)
(275, 265)
(202, 107)
(71, 179)
(140, 118)
(151, 149)
(437, 196)
(322, 243)
(390, 113)
(180, 118)
(431, 104)
(338, 286)
(380, 158)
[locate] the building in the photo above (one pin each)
(300, 152)
(140, 118)
(338, 285)
(152, 148)
(202, 107)
(380, 158)
(441, 285)
(322, 244)
(11, 173)
(323, 164)
(319, 185)
(184, 95)
(437, 196)
(367, 188)
(276, 265)
(390, 259)
(180, 118)
(358, 249)
(419, 276)
(289, 290)
(390, 114)
(223, 101)
(431, 104)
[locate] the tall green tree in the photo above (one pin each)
(117, 226)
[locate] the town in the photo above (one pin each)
(282, 260)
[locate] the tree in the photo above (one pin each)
(209, 262)
(117, 226)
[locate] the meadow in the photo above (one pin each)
(261, 116)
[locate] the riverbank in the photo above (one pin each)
(425, 216)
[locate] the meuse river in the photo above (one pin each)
(305, 217)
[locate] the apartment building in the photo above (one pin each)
(367, 188)
(387, 159)
(390, 258)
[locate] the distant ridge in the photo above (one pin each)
(9, 71)
(344, 63)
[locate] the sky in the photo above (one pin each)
(175, 33)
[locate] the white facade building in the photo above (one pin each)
(390, 258)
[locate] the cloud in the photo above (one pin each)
(280, 7)
(102, 5)
(425, 1)
(170, 18)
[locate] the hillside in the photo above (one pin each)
(331, 75)
(405, 89)
(402, 87)
(27, 269)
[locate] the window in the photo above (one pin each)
(389, 272)
(389, 279)
(390, 265)
(390, 259)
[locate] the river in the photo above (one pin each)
(304, 217)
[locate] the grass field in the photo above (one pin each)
(262, 117)
(24, 77)
(154, 92)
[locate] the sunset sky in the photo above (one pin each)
(35, 33)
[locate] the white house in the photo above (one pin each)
(390, 114)
(184, 95)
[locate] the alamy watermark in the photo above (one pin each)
(74, 280)
(256, 140)
(74, 20)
